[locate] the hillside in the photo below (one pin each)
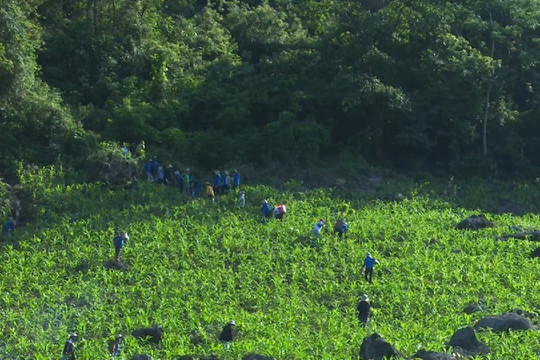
(192, 265)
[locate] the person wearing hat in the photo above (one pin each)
(217, 182)
(266, 209)
(69, 347)
(280, 211)
(226, 183)
(241, 199)
(226, 336)
(367, 269)
(363, 310)
(168, 175)
(317, 228)
(114, 346)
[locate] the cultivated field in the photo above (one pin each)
(192, 265)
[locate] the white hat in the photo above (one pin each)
(231, 322)
(364, 298)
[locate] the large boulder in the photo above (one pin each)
(464, 342)
(256, 357)
(152, 334)
(432, 355)
(375, 347)
(505, 322)
(475, 222)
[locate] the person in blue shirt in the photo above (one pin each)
(10, 227)
(154, 166)
(119, 240)
(226, 183)
(367, 269)
(341, 227)
(266, 210)
(236, 180)
(148, 171)
(196, 189)
(217, 183)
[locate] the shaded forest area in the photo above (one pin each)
(447, 86)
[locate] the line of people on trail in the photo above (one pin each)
(221, 185)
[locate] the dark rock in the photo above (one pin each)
(432, 355)
(524, 313)
(465, 339)
(536, 253)
(527, 235)
(141, 357)
(375, 347)
(472, 308)
(256, 357)
(505, 322)
(475, 222)
(152, 334)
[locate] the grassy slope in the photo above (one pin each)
(194, 265)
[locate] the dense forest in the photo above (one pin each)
(406, 84)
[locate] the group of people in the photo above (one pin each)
(226, 337)
(269, 211)
(184, 180)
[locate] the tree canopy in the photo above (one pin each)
(413, 84)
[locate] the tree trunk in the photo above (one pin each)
(488, 94)
(485, 120)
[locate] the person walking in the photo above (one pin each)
(69, 347)
(236, 179)
(210, 192)
(363, 310)
(186, 181)
(367, 269)
(217, 182)
(226, 182)
(227, 336)
(119, 240)
(10, 226)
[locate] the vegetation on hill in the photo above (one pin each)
(449, 85)
(192, 265)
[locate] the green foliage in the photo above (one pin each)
(193, 265)
(110, 165)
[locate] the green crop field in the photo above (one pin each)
(192, 265)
